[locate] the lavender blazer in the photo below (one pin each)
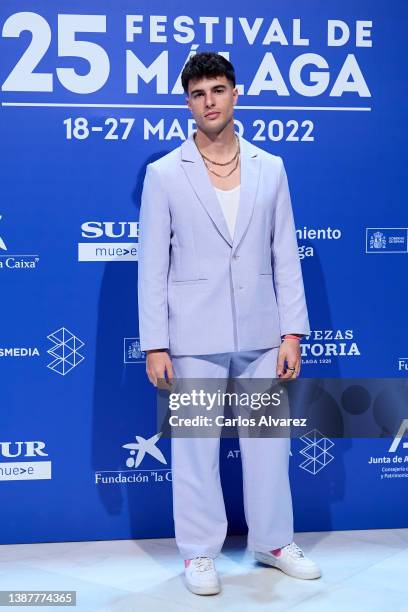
(199, 290)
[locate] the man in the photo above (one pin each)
(221, 294)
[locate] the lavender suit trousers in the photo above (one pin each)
(198, 504)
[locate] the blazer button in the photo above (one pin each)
(235, 256)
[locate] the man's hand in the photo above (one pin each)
(290, 352)
(158, 362)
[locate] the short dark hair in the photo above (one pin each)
(206, 64)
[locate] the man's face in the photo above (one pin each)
(212, 101)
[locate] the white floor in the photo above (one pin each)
(362, 571)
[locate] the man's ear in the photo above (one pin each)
(187, 99)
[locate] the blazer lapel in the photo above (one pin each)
(197, 174)
(196, 171)
(250, 167)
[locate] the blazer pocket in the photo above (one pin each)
(193, 281)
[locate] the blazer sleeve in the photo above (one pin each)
(153, 263)
(288, 280)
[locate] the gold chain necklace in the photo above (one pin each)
(223, 175)
(236, 156)
(219, 163)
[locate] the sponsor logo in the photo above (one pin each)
(316, 451)
(132, 352)
(101, 241)
(138, 449)
(324, 344)
(65, 350)
(395, 463)
(31, 468)
(12, 261)
(141, 450)
(386, 240)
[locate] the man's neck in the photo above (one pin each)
(217, 146)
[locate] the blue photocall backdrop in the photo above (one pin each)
(91, 94)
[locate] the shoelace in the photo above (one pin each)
(203, 564)
(294, 550)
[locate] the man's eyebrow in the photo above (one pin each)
(200, 90)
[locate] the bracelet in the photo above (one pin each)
(291, 336)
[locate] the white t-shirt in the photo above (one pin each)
(229, 201)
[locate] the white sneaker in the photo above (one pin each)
(201, 576)
(291, 560)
